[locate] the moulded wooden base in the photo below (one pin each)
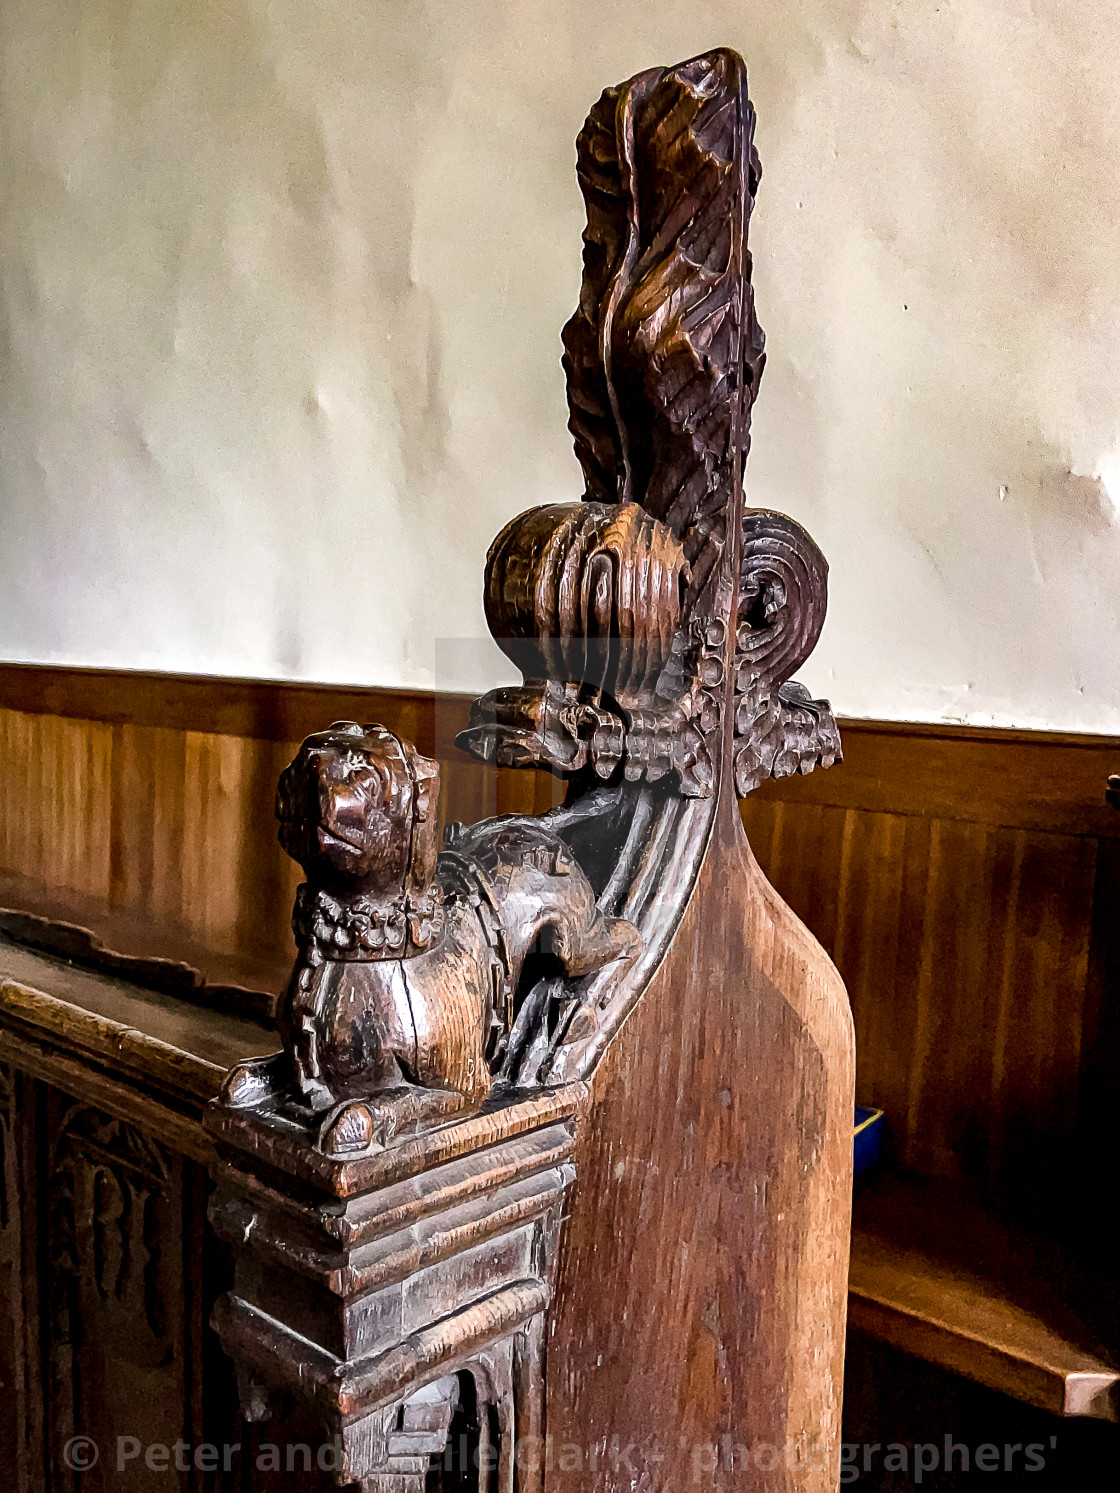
(367, 1291)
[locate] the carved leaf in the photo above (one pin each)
(664, 354)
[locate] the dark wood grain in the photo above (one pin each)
(853, 850)
(963, 908)
(607, 1011)
(104, 1262)
(411, 971)
(948, 1281)
(622, 940)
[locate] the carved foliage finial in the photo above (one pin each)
(664, 353)
(663, 358)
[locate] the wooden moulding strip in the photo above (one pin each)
(456, 1182)
(1052, 783)
(270, 710)
(178, 1126)
(287, 1147)
(354, 1389)
(78, 1030)
(391, 1260)
(1079, 1386)
(403, 1204)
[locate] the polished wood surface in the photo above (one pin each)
(262, 710)
(871, 826)
(657, 625)
(151, 816)
(942, 1278)
(951, 873)
(966, 908)
(414, 970)
(717, 1292)
(1053, 781)
(661, 1263)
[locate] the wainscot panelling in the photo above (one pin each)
(142, 805)
(953, 875)
(964, 881)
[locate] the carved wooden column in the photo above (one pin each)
(608, 1002)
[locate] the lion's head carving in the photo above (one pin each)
(357, 810)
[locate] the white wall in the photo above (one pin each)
(282, 292)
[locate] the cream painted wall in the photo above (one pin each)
(282, 292)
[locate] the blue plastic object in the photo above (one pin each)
(869, 1137)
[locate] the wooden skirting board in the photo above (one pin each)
(963, 880)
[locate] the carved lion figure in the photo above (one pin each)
(409, 965)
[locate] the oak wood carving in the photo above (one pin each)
(603, 1012)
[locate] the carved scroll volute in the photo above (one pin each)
(783, 595)
(599, 600)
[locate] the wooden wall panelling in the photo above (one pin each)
(1043, 780)
(224, 839)
(973, 916)
(965, 952)
(156, 804)
(193, 830)
(950, 872)
(260, 709)
(147, 807)
(55, 825)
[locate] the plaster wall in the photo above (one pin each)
(281, 288)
